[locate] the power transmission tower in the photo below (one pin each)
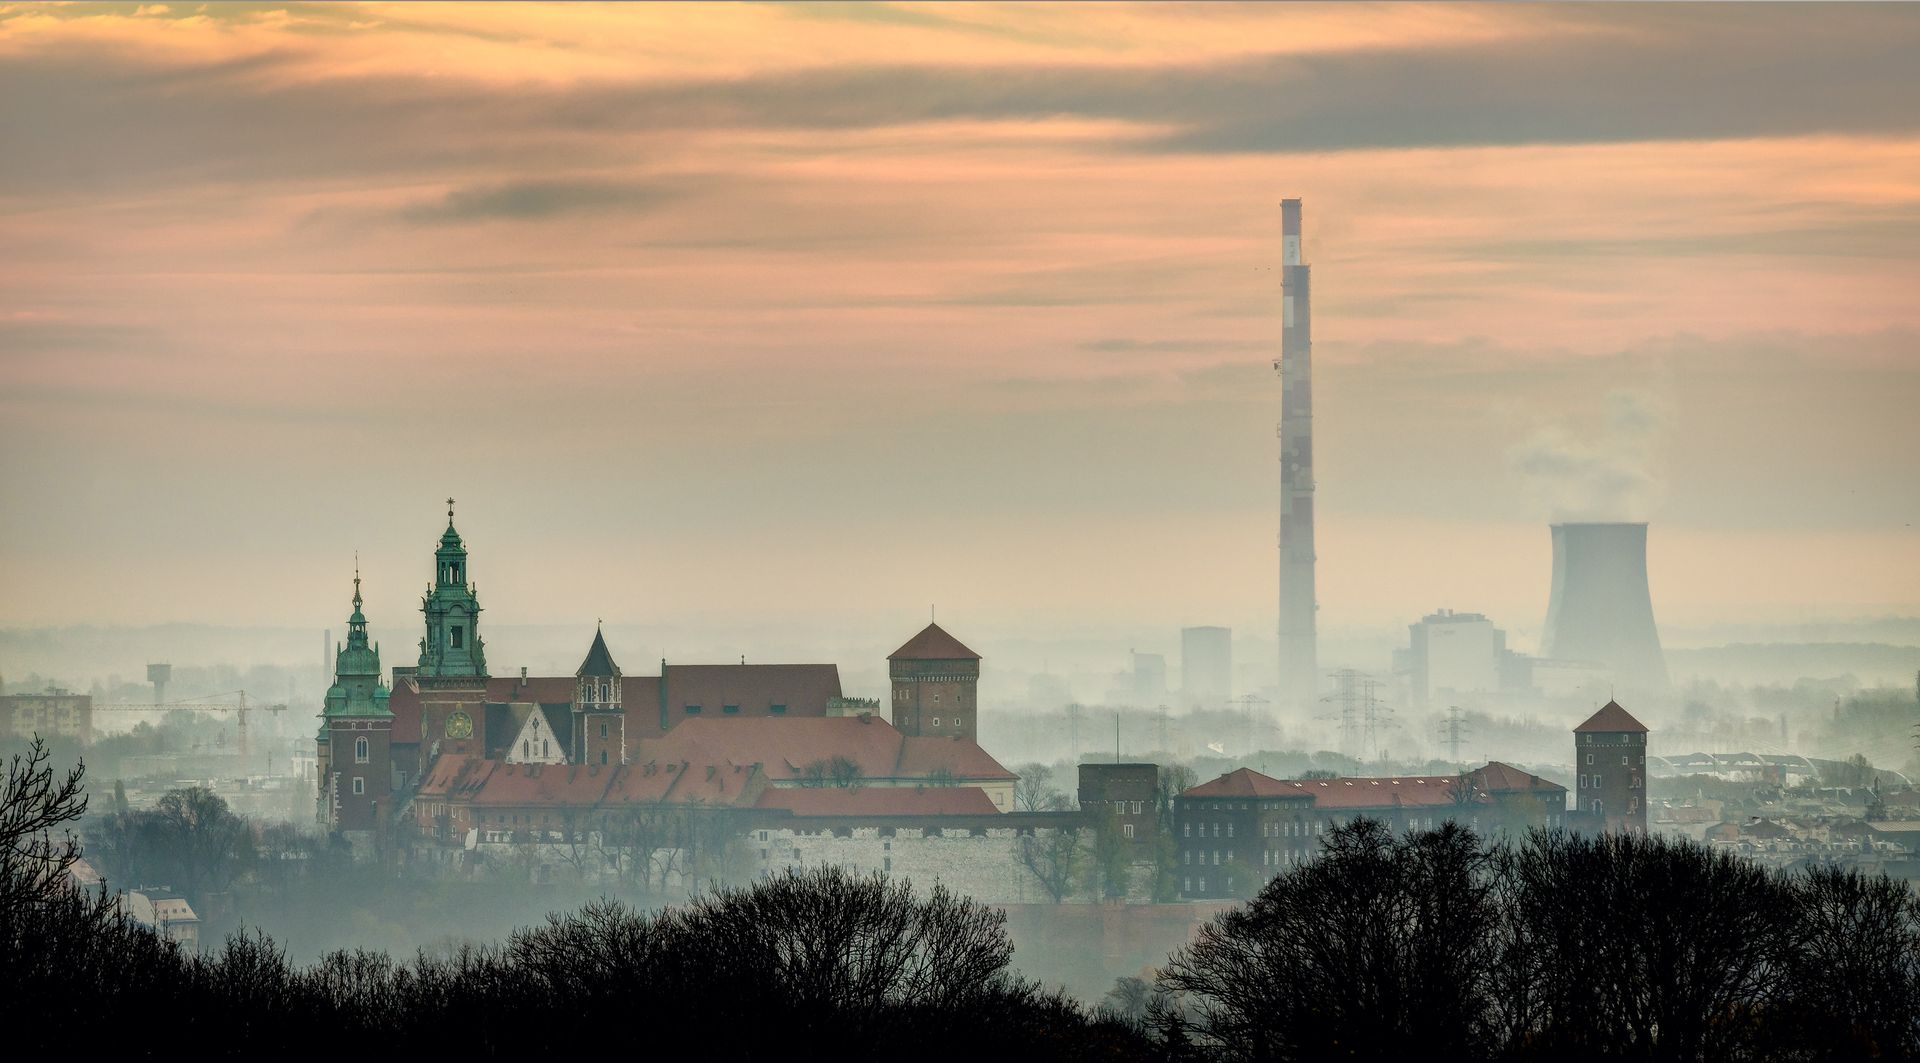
(1362, 716)
(1452, 729)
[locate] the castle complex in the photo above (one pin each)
(463, 751)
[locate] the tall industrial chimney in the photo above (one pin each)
(1600, 609)
(1299, 665)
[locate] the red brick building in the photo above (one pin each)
(1610, 757)
(936, 682)
(1236, 832)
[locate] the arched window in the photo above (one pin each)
(360, 750)
(526, 748)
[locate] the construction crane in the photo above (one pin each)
(239, 708)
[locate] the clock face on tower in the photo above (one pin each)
(459, 725)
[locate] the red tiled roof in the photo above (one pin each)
(1242, 782)
(804, 689)
(454, 775)
(520, 785)
(881, 801)
(655, 783)
(784, 746)
(959, 757)
(1403, 792)
(1612, 718)
(933, 644)
(1498, 778)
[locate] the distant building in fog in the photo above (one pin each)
(56, 713)
(1206, 665)
(1236, 832)
(1149, 677)
(1122, 793)
(1451, 654)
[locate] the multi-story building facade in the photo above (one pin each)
(1610, 756)
(1122, 796)
(55, 713)
(1238, 831)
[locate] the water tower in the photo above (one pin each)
(158, 674)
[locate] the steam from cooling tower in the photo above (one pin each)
(1610, 478)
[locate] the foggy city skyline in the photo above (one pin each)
(1201, 531)
(703, 328)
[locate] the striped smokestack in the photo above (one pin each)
(1299, 665)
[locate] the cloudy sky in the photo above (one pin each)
(770, 312)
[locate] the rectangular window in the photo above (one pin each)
(777, 710)
(1126, 829)
(603, 730)
(1186, 830)
(459, 636)
(359, 785)
(730, 710)
(693, 710)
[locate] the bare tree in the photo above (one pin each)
(1054, 857)
(36, 802)
(1035, 792)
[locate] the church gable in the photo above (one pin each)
(536, 742)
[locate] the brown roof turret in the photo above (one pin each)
(1612, 719)
(933, 644)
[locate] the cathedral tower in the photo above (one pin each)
(935, 685)
(453, 661)
(599, 722)
(356, 730)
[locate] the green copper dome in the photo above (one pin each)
(356, 689)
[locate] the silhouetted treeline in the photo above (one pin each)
(1557, 947)
(1433, 945)
(808, 965)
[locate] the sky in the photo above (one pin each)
(760, 313)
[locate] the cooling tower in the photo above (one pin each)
(1600, 609)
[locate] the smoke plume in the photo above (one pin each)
(1611, 477)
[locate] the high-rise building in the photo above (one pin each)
(1299, 656)
(1149, 677)
(1206, 665)
(1452, 654)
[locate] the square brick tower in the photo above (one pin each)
(935, 678)
(1610, 758)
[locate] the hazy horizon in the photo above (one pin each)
(754, 315)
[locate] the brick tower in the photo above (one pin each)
(1610, 758)
(935, 678)
(356, 732)
(599, 722)
(453, 662)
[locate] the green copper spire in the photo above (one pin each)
(357, 690)
(452, 645)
